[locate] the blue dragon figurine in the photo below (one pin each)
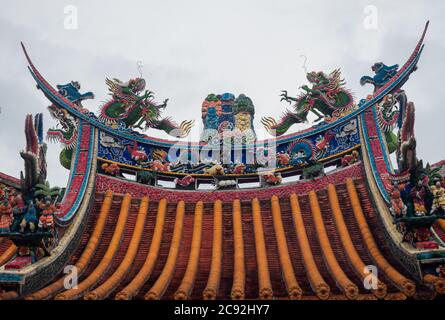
(383, 74)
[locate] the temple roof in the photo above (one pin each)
(297, 245)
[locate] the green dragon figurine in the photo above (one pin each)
(136, 110)
(328, 99)
(387, 116)
(66, 135)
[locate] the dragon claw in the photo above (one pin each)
(185, 128)
(269, 123)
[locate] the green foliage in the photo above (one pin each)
(45, 190)
(432, 173)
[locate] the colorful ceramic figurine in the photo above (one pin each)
(5, 216)
(215, 170)
(418, 197)
(30, 220)
(349, 159)
(47, 209)
(184, 182)
(327, 98)
(111, 169)
(439, 196)
(272, 179)
(398, 208)
(136, 108)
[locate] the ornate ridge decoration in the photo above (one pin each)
(225, 117)
(66, 135)
(137, 110)
(328, 98)
(27, 216)
(34, 155)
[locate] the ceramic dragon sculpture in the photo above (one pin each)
(328, 99)
(34, 155)
(135, 108)
(406, 151)
(66, 133)
(391, 111)
(383, 74)
(395, 112)
(388, 114)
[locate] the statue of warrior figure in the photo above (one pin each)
(439, 196)
(418, 195)
(5, 216)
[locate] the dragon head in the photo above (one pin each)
(136, 85)
(316, 77)
(67, 134)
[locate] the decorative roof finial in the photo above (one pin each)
(304, 64)
(140, 66)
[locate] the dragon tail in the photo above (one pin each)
(279, 128)
(173, 129)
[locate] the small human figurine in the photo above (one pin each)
(239, 168)
(18, 214)
(184, 182)
(439, 196)
(272, 179)
(418, 196)
(30, 219)
(111, 169)
(349, 159)
(46, 220)
(398, 208)
(5, 216)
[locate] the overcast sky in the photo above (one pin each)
(192, 48)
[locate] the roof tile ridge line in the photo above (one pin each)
(8, 254)
(318, 284)
(9, 295)
(435, 283)
(9, 178)
(152, 256)
(239, 268)
(106, 288)
(342, 280)
(158, 289)
(293, 288)
(105, 263)
(185, 288)
(407, 286)
(265, 291)
(211, 290)
(348, 246)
